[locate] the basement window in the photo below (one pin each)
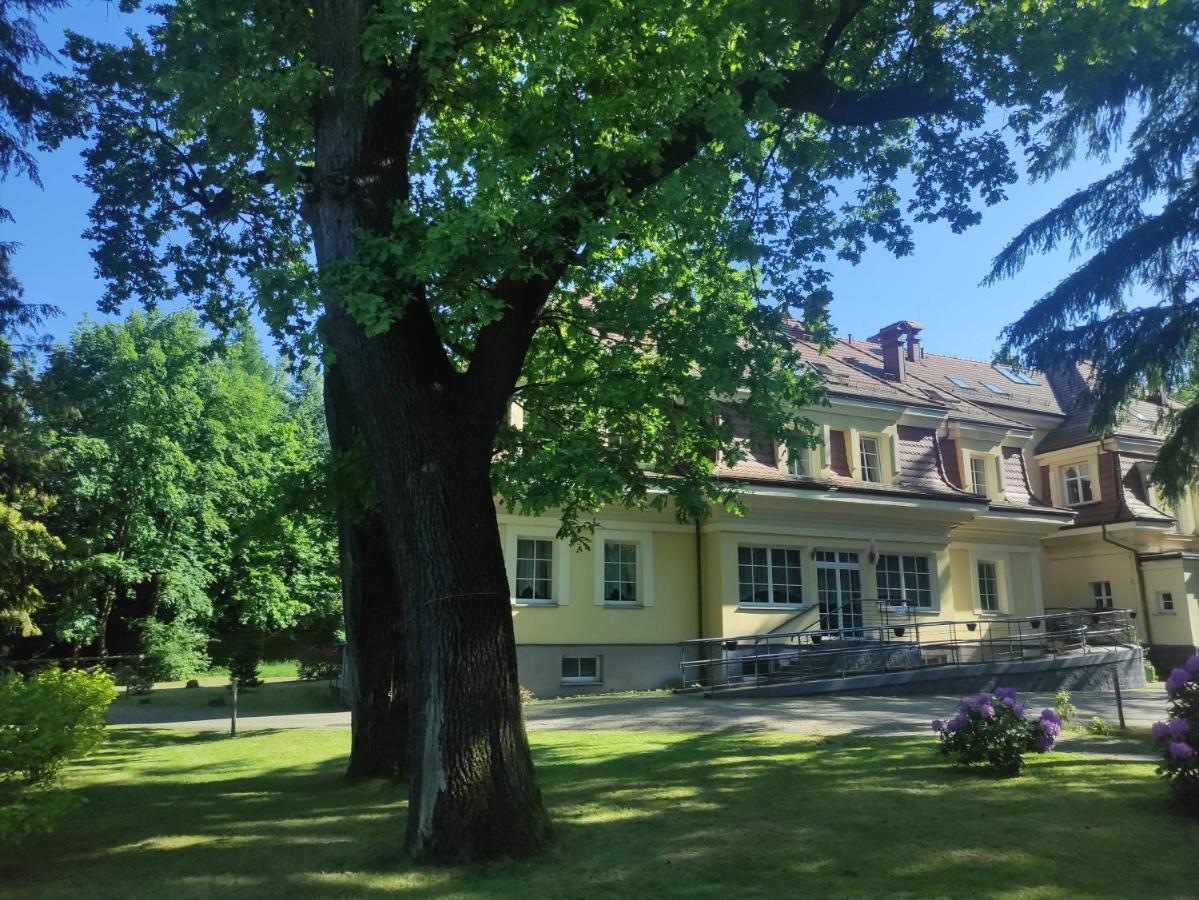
(581, 670)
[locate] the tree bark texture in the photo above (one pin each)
(472, 792)
(375, 662)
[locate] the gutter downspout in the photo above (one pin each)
(1136, 559)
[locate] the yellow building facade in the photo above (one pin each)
(943, 490)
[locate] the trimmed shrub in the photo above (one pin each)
(49, 719)
(46, 720)
(994, 731)
(320, 662)
(243, 664)
(1178, 737)
(172, 651)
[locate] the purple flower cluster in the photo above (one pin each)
(1048, 728)
(1181, 750)
(1187, 672)
(994, 729)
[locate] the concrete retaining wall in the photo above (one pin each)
(625, 667)
(1084, 672)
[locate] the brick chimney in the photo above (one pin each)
(895, 354)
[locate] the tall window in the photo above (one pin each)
(770, 575)
(620, 572)
(1166, 601)
(1077, 482)
(581, 669)
(904, 579)
(534, 570)
(872, 463)
(978, 475)
(988, 586)
(1101, 593)
(797, 462)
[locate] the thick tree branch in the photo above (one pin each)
(503, 344)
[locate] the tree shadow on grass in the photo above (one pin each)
(636, 815)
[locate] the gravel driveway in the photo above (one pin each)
(827, 715)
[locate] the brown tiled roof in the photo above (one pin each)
(1133, 492)
(1016, 486)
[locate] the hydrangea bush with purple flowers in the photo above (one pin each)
(995, 730)
(1178, 737)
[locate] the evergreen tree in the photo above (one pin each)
(1139, 225)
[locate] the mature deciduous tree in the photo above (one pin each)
(178, 463)
(599, 209)
(1140, 224)
(27, 547)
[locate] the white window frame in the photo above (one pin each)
(1102, 591)
(1161, 603)
(645, 566)
(534, 559)
(598, 678)
(903, 581)
(878, 455)
(800, 456)
(981, 460)
(1083, 469)
(1003, 567)
(560, 570)
(771, 549)
(994, 577)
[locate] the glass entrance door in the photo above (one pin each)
(839, 591)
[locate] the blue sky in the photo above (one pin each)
(937, 286)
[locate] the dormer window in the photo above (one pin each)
(797, 462)
(1076, 481)
(871, 460)
(978, 476)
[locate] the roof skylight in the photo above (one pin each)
(993, 388)
(960, 382)
(1015, 375)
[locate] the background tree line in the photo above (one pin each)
(162, 488)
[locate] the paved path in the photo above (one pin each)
(826, 715)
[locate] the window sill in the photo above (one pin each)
(777, 607)
(609, 604)
(992, 613)
(1167, 612)
(550, 604)
(1081, 505)
(581, 682)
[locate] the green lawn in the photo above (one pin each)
(178, 815)
(274, 668)
(277, 697)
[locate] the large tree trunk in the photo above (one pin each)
(472, 791)
(375, 659)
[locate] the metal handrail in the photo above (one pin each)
(899, 646)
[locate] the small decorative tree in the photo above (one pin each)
(1178, 737)
(995, 731)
